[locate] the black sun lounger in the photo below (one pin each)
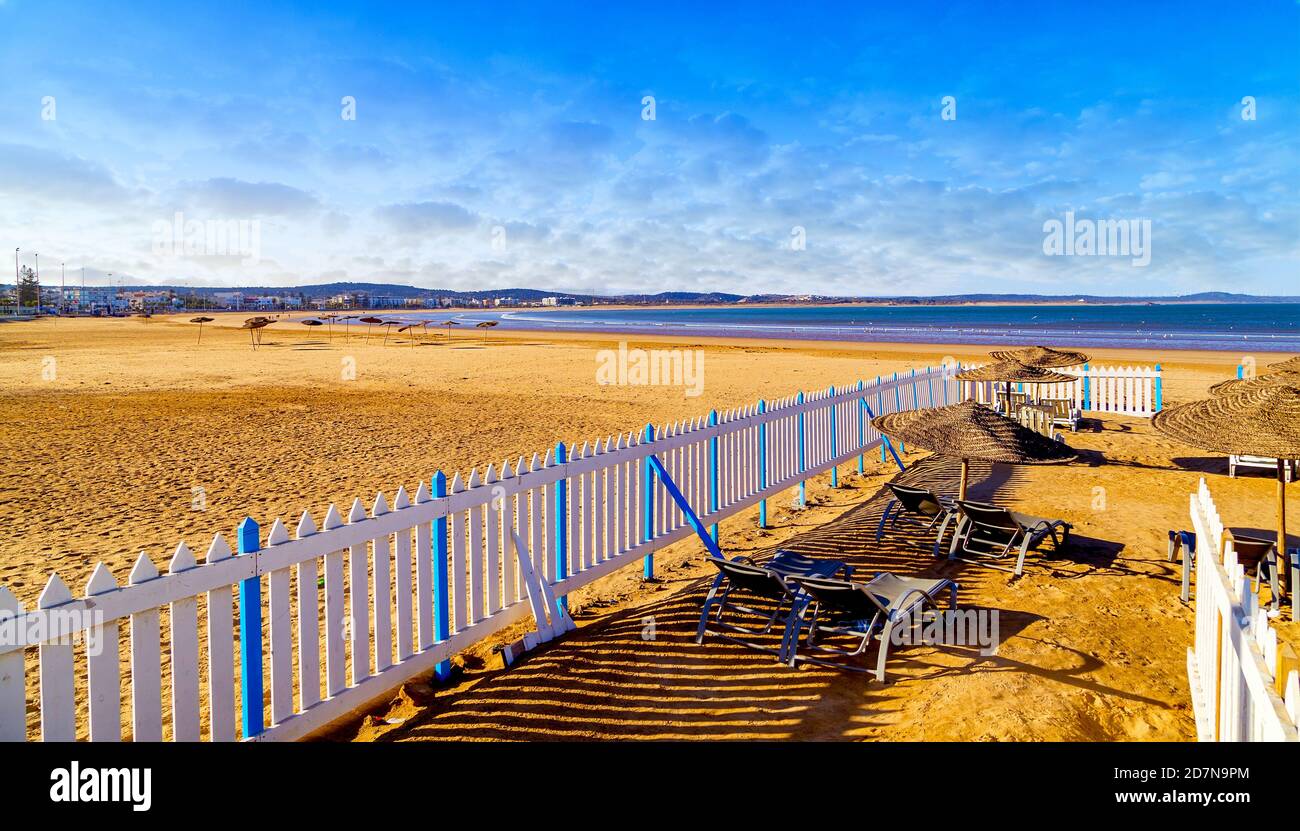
(864, 611)
(990, 531)
(918, 507)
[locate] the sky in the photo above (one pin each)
(840, 149)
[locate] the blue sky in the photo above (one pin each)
(502, 145)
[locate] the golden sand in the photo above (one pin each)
(126, 435)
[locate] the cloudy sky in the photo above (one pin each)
(496, 145)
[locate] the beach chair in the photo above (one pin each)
(1063, 413)
(864, 611)
(918, 507)
(1266, 462)
(1258, 556)
(985, 531)
(767, 584)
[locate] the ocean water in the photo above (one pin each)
(1226, 327)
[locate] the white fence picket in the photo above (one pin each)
(146, 662)
(184, 618)
(58, 711)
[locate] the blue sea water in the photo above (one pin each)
(1273, 327)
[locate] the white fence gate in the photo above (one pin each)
(1231, 668)
(368, 598)
(1121, 390)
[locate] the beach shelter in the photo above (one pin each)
(485, 325)
(369, 321)
(1263, 420)
(255, 325)
(970, 430)
(311, 322)
(1041, 356)
(449, 324)
(1273, 379)
(1289, 365)
(1014, 372)
(388, 327)
(201, 321)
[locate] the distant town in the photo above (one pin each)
(31, 296)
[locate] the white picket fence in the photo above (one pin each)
(1121, 390)
(367, 599)
(1231, 668)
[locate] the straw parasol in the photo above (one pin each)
(255, 325)
(1237, 386)
(1289, 365)
(449, 324)
(1261, 421)
(1041, 356)
(485, 325)
(388, 327)
(201, 321)
(969, 430)
(311, 322)
(1011, 372)
(369, 321)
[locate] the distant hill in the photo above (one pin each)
(527, 295)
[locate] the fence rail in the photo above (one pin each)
(351, 608)
(1121, 390)
(1232, 667)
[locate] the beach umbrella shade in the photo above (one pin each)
(311, 322)
(201, 321)
(388, 327)
(1289, 365)
(449, 324)
(1014, 372)
(255, 326)
(1041, 356)
(369, 321)
(1261, 421)
(485, 325)
(1273, 379)
(969, 430)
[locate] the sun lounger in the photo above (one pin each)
(916, 506)
(1258, 555)
(1063, 413)
(769, 584)
(864, 611)
(1266, 462)
(991, 531)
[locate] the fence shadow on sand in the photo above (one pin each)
(638, 673)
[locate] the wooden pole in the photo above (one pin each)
(1282, 562)
(965, 474)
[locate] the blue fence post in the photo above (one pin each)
(762, 467)
(713, 474)
(862, 436)
(560, 519)
(803, 483)
(1241, 371)
(441, 606)
(835, 469)
(250, 636)
(1160, 390)
(1087, 388)
(648, 504)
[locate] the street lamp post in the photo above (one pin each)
(16, 250)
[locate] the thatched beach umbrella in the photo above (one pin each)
(310, 322)
(1237, 386)
(255, 325)
(969, 430)
(1262, 421)
(369, 321)
(1041, 356)
(449, 324)
(1289, 365)
(485, 325)
(388, 327)
(1014, 372)
(201, 321)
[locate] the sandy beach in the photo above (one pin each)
(122, 436)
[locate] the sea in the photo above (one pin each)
(1240, 327)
